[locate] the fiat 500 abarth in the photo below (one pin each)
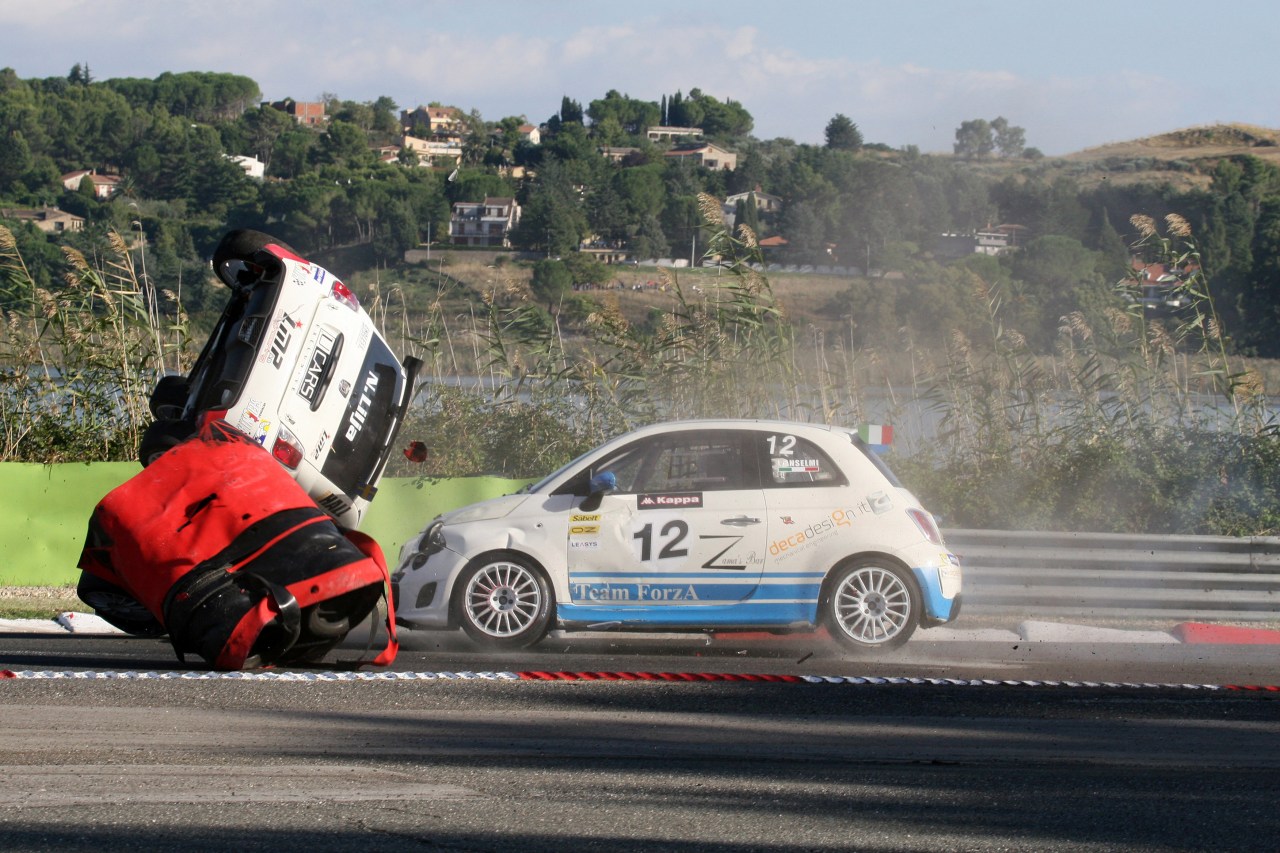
(296, 364)
(691, 526)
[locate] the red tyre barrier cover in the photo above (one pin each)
(234, 559)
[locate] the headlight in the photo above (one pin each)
(429, 543)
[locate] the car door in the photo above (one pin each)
(684, 528)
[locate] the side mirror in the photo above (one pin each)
(600, 485)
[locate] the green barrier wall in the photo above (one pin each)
(43, 530)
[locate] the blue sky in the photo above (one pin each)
(1072, 74)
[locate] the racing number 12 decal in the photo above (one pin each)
(672, 536)
(676, 531)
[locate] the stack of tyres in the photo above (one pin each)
(226, 554)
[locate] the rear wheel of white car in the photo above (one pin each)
(503, 602)
(871, 604)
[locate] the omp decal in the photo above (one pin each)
(674, 500)
(283, 337)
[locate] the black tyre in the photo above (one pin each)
(503, 602)
(161, 437)
(871, 604)
(117, 607)
(169, 398)
(241, 245)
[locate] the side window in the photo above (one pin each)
(682, 462)
(795, 461)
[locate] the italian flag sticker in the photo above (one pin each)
(879, 436)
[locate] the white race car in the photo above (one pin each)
(297, 365)
(690, 526)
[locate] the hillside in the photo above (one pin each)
(1183, 158)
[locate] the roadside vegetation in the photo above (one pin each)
(1130, 425)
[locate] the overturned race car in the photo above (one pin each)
(285, 421)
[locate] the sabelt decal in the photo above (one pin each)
(674, 500)
(584, 530)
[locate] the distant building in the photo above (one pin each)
(433, 120)
(993, 240)
(617, 153)
(705, 154)
(484, 223)
(50, 220)
(253, 167)
(662, 133)
(104, 186)
(310, 113)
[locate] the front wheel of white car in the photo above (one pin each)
(503, 602)
(871, 604)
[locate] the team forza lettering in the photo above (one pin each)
(678, 500)
(283, 337)
(361, 410)
(629, 592)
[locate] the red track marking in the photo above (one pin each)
(1200, 632)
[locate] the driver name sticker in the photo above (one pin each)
(797, 466)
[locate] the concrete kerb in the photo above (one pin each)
(1029, 631)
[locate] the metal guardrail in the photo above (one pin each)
(1119, 575)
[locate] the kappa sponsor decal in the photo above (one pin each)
(674, 500)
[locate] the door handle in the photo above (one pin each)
(740, 521)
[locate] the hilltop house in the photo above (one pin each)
(705, 154)
(310, 113)
(104, 186)
(433, 121)
(484, 223)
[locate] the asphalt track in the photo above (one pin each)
(975, 741)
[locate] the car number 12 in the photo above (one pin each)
(672, 534)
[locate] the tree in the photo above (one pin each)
(842, 134)
(974, 139)
(1009, 139)
(551, 282)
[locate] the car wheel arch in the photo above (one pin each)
(492, 556)
(872, 559)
